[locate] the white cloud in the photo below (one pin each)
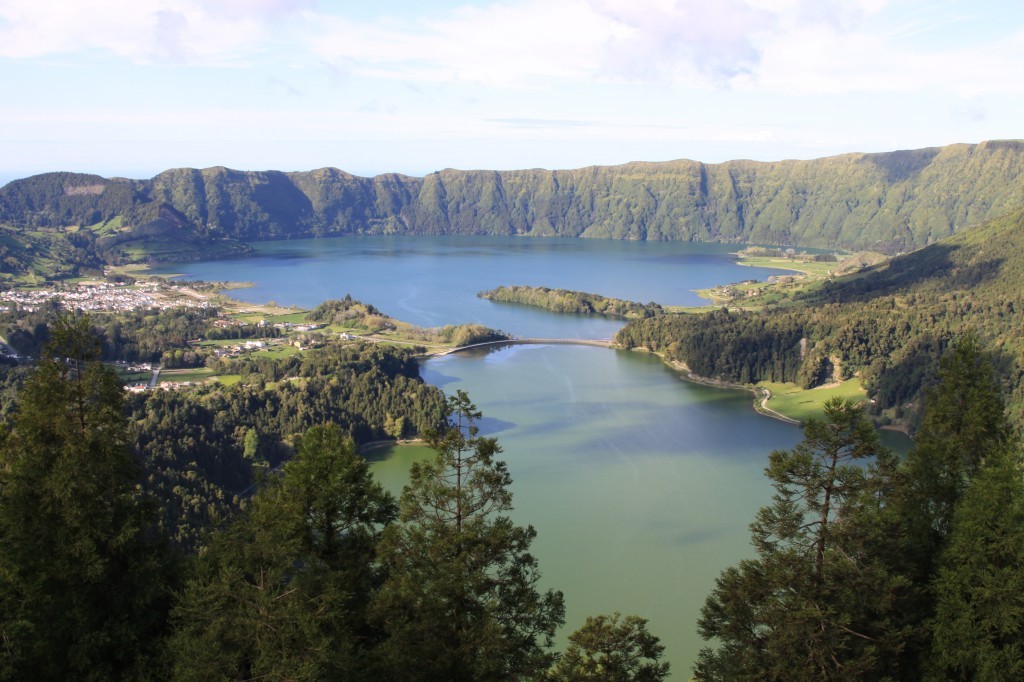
(774, 46)
(682, 39)
(533, 42)
(259, 9)
(810, 60)
(770, 46)
(501, 44)
(193, 31)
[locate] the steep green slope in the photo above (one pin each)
(888, 324)
(65, 224)
(33, 257)
(885, 202)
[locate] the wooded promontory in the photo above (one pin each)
(565, 301)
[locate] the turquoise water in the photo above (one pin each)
(641, 486)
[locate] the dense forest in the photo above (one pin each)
(205, 447)
(313, 573)
(871, 568)
(865, 566)
(890, 202)
(888, 324)
(133, 336)
(564, 301)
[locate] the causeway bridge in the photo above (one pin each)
(600, 343)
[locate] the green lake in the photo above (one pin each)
(641, 486)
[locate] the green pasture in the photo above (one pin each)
(810, 268)
(276, 352)
(297, 317)
(792, 401)
(197, 375)
(133, 377)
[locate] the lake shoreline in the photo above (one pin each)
(366, 448)
(761, 395)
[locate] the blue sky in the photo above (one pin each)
(132, 87)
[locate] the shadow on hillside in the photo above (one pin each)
(934, 269)
(901, 165)
(283, 203)
(904, 384)
(900, 384)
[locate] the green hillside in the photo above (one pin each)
(890, 202)
(888, 324)
(61, 225)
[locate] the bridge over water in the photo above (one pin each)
(600, 343)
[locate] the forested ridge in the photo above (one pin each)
(888, 324)
(892, 202)
(60, 224)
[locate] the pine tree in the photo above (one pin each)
(964, 420)
(461, 599)
(814, 603)
(612, 649)
(83, 590)
(979, 623)
(281, 592)
(964, 423)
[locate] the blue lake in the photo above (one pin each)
(433, 281)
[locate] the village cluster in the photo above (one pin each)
(225, 323)
(146, 295)
(106, 296)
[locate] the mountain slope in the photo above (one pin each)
(891, 202)
(888, 324)
(64, 224)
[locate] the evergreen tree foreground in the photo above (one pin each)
(84, 583)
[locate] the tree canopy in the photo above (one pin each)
(869, 568)
(461, 600)
(84, 582)
(813, 604)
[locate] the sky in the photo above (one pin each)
(132, 87)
